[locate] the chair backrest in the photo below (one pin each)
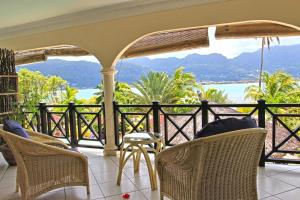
(17, 145)
(227, 164)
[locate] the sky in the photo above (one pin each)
(229, 48)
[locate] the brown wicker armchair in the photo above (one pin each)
(212, 168)
(41, 167)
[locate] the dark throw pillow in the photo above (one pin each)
(225, 125)
(15, 128)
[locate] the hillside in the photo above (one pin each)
(213, 67)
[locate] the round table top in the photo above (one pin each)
(141, 137)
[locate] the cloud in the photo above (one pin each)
(76, 58)
(229, 48)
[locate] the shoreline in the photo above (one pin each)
(227, 82)
(203, 83)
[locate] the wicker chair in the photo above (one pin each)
(41, 167)
(212, 168)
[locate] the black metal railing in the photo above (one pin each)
(77, 125)
(179, 123)
(288, 123)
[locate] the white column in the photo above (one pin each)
(108, 82)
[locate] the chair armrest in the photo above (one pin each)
(176, 167)
(39, 137)
(47, 164)
(178, 155)
(35, 148)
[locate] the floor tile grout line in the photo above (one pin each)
(277, 173)
(265, 192)
(296, 186)
(97, 182)
(283, 192)
(4, 173)
(280, 180)
(121, 179)
(140, 190)
(265, 198)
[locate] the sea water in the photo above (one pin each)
(234, 91)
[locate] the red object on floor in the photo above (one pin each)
(126, 196)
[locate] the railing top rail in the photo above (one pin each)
(55, 106)
(134, 105)
(180, 105)
(88, 105)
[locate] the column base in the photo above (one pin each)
(109, 152)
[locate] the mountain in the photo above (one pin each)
(213, 67)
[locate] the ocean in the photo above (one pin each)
(235, 91)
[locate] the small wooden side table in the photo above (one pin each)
(136, 144)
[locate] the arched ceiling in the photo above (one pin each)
(16, 12)
(108, 40)
(32, 16)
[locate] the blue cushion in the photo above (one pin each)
(14, 127)
(225, 125)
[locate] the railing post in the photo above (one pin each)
(116, 123)
(262, 123)
(38, 121)
(103, 115)
(43, 113)
(204, 105)
(72, 118)
(156, 117)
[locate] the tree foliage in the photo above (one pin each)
(34, 88)
(155, 86)
(264, 41)
(278, 87)
(123, 93)
(213, 95)
(180, 88)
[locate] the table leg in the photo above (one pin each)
(159, 148)
(137, 158)
(121, 163)
(150, 169)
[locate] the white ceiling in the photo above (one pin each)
(21, 17)
(17, 12)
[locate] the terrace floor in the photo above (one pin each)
(274, 181)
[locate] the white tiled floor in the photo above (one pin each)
(275, 182)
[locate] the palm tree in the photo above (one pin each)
(212, 94)
(277, 88)
(265, 41)
(100, 93)
(185, 83)
(123, 93)
(70, 94)
(155, 86)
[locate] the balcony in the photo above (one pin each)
(279, 179)
(274, 181)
